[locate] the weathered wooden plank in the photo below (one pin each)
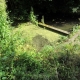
(51, 27)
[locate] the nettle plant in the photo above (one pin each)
(5, 34)
(33, 17)
(6, 43)
(4, 29)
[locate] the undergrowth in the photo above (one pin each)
(57, 62)
(33, 17)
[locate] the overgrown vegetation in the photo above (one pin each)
(32, 17)
(20, 61)
(6, 44)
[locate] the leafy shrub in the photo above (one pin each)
(58, 62)
(63, 39)
(6, 44)
(68, 63)
(32, 17)
(24, 65)
(63, 64)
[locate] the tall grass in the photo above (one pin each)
(51, 63)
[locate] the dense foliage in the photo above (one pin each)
(57, 62)
(49, 8)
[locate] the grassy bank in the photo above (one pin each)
(20, 59)
(53, 62)
(30, 30)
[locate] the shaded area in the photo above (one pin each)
(59, 13)
(67, 26)
(66, 22)
(39, 42)
(53, 28)
(48, 8)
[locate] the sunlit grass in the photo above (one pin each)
(29, 30)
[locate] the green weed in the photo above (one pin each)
(32, 17)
